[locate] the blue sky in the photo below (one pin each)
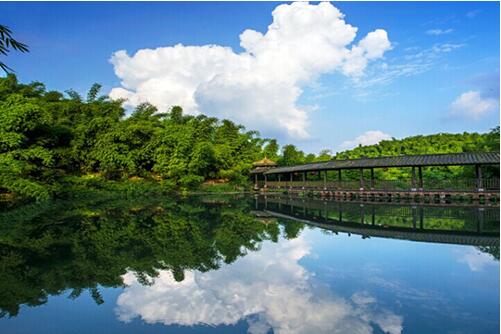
(440, 74)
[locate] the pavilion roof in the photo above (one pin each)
(449, 159)
(265, 163)
(259, 170)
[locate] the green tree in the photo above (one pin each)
(26, 139)
(271, 149)
(324, 155)
(291, 156)
(50, 141)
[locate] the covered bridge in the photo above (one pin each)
(318, 176)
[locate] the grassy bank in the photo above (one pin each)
(91, 185)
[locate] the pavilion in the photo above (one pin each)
(260, 167)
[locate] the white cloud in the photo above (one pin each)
(260, 86)
(415, 62)
(472, 13)
(446, 47)
(371, 137)
(362, 298)
(434, 52)
(473, 105)
(269, 289)
(437, 32)
(372, 46)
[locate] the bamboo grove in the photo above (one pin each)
(52, 142)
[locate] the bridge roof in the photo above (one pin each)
(447, 237)
(449, 159)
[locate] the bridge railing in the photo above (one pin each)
(397, 185)
(491, 184)
(390, 185)
(450, 185)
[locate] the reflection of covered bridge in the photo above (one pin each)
(477, 226)
(327, 177)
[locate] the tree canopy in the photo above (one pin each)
(50, 141)
(46, 136)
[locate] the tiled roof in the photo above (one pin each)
(260, 170)
(264, 162)
(449, 159)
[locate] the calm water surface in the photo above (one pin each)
(248, 265)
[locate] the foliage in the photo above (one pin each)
(26, 139)
(6, 43)
(291, 156)
(45, 138)
(438, 143)
(49, 140)
(431, 144)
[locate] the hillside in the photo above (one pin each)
(437, 143)
(431, 144)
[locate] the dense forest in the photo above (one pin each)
(52, 143)
(46, 139)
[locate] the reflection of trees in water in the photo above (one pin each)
(79, 245)
(467, 219)
(453, 218)
(491, 250)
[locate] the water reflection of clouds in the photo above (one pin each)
(268, 288)
(475, 259)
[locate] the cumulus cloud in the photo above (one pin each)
(260, 86)
(269, 289)
(370, 137)
(474, 105)
(437, 32)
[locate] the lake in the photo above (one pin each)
(248, 264)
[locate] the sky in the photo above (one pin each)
(317, 75)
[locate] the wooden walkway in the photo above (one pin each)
(326, 178)
(489, 194)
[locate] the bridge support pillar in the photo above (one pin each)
(420, 175)
(421, 218)
(480, 223)
(361, 179)
(413, 187)
(414, 217)
(478, 173)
